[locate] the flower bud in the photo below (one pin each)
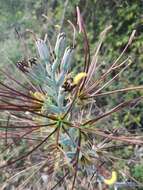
(42, 49)
(60, 44)
(67, 58)
(112, 180)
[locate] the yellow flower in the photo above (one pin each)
(38, 95)
(112, 180)
(78, 77)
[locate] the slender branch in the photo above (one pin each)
(21, 137)
(120, 138)
(72, 103)
(26, 126)
(60, 181)
(64, 12)
(26, 108)
(115, 62)
(82, 29)
(17, 82)
(19, 93)
(113, 110)
(112, 79)
(8, 119)
(115, 91)
(77, 159)
(30, 152)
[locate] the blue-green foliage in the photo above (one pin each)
(51, 75)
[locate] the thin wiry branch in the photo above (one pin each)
(113, 66)
(30, 152)
(136, 88)
(86, 45)
(93, 64)
(110, 136)
(6, 129)
(26, 126)
(115, 109)
(111, 80)
(19, 93)
(76, 160)
(13, 79)
(60, 181)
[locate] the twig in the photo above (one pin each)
(115, 109)
(115, 91)
(8, 119)
(63, 16)
(30, 152)
(60, 181)
(77, 159)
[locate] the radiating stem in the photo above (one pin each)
(76, 160)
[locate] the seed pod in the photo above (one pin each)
(60, 44)
(42, 50)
